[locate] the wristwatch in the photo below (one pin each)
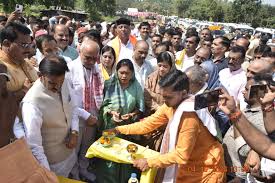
(74, 132)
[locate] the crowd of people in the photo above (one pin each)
(62, 84)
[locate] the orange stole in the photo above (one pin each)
(116, 44)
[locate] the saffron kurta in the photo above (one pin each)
(18, 73)
(198, 154)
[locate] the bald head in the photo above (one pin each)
(202, 55)
(60, 27)
(242, 42)
(141, 43)
(258, 67)
(140, 52)
(197, 78)
(89, 53)
(89, 44)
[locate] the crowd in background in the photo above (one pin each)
(62, 84)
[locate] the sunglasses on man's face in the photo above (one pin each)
(25, 45)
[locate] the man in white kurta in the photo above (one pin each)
(143, 68)
(124, 42)
(51, 118)
(185, 57)
(233, 78)
(84, 72)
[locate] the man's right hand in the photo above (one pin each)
(268, 99)
(253, 161)
(13, 16)
(112, 130)
(227, 103)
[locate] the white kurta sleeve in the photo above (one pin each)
(78, 113)
(75, 120)
(18, 128)
(82, 113)
(32, 118)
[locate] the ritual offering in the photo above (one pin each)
(132, 149)
(109, 134)
(105, 141)
(120, 151)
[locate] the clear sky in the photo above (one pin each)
(271, 2)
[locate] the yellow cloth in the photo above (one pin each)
(117, 152)
(198, 154)
(116, 44)
(18, 73)
(180, 61)
(104, 72)
(66, 180)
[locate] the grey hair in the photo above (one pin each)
(87, 43)
(197, 75)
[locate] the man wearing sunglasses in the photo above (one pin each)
(16, 43)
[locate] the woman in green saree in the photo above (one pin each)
(123, 104)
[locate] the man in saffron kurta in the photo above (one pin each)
(197, 154)
(15, 47)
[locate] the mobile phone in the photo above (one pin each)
(262, 175)
(19, 8)
(257, 91)
(206, 99)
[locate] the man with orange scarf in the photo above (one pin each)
(124, 43)
(189, 153)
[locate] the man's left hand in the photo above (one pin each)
(72, 141)
(141, 164)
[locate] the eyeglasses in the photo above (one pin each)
(25, 45)
(8, 77)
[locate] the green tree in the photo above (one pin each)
(182, 6)
(122, 5)
(206, 10)
(245, 10)
(99, 8)
(9, 5)
(265, 17)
